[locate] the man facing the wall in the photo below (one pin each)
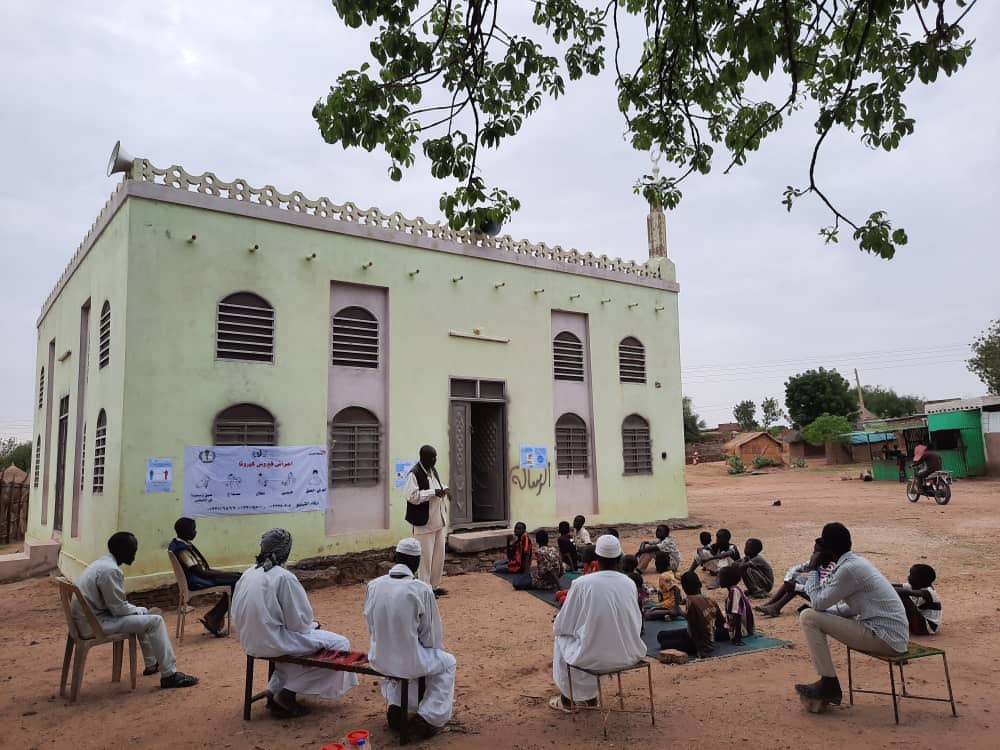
(425, 495)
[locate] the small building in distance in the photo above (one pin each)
(200, 313)
(748, 445)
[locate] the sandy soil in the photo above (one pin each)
(503, 643)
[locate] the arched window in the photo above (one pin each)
(38, 459)
(567, 357)
(244, 424)
(354, 338)
(354, 447)
(100, 448)
(631, 360)
(572, 447)
(41, 387)
(104, 338)
(637, 451)
(244, 328)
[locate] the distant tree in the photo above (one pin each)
(770, 412)
(815, 392)
(693, 424)
(15, 453)
(827, 428)
(745, 414)
(886, 403)
(985, 361)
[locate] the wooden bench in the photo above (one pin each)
(606, 709)
(338, 661)
(915, 651)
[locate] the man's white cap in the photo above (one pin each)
(608, 546)
(409, 546)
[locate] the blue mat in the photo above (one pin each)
(549, 597)
(723, 649)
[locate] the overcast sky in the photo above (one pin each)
(228, 87)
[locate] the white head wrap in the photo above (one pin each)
(408, 546)
(608, 546)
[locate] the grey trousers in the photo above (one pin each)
(153, 639)
(816, 626)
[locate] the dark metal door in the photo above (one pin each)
(458, 461)
(487, 463)
(57, 512)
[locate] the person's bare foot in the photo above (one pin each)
(767, 609)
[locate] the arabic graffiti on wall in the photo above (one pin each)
(531, 479)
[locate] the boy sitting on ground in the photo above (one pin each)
(704, 552)
(705, 623)
(589, 558)
(794, 585)
(648, 550)
(629, 564)
(582, 537)
(518, 552)
(670, 593)
(923, 607)
(548, 568)
(758, 577)
(739, 613)
(724, 553)
(567, 550)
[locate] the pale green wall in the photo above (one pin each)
(100, 276)
(175, 386)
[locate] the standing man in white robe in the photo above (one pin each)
(274, 618)
(425, 501)
(407, 641)
(598, 627)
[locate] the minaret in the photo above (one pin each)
(656, 222)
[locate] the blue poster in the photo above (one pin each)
(534, 457)
(402, 468)
(159, 475)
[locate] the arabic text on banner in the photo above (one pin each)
(237, 480)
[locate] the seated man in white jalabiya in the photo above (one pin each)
(597, 628)
(406, 641)
(273, 616)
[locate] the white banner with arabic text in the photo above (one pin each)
(237, 480)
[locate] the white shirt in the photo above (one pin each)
(599, 624)
(581, 537)
(931, 610)
(404, 625)
(414, 495)
(273, 615)
(102, 584)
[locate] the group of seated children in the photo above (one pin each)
(707, 624)
(713, 557)
(573, 547)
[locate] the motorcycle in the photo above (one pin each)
(937, 484)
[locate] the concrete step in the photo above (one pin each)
(471, 542)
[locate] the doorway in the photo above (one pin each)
(57, 511)
(477, 452)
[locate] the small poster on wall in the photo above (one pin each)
(159, 475)
(534, 457)
(402, 468)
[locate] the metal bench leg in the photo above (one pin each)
(902, 679)
(850, 679)
(600, 707)
(572, 700)
(248, 689)
(652, 709)
(404, 704)
(621, 696)
(947, 677)
(892, 687)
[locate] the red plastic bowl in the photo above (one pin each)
(357, 735)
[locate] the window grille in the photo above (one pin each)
(567, 357)
(104, 348)
(354, 448)
(631, 361)
(244, 424)
(637, 452)
(100, 447)
(41, 387)
(572, 448)
(245, 328)
(354, 338)
(83, 457)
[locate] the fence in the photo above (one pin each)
(13, 511)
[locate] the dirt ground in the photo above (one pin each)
(503, 642)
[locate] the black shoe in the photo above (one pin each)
(438, 592)
(395, 718)
(826, 689)
(212, 628)
(420, 729)
(178, 680)
(151, 670)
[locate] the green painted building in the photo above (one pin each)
(200, 312)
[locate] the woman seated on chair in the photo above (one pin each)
(200, 575)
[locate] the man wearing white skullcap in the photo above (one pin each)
(597, 628)
(404, 627)
(273, 617)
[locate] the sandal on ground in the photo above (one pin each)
(557, 704)
(178, 680)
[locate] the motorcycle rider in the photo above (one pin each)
(925, 463)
